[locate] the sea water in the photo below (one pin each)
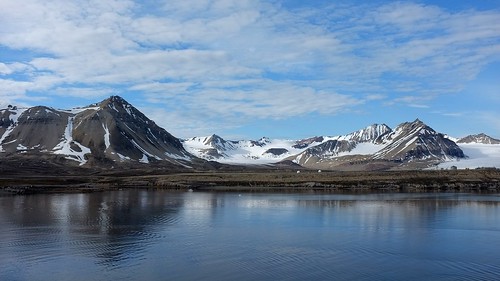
(159, 235)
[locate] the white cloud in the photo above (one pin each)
(10, 68)
(4, 69)
(227, 60)
(84, 93)
(14, 88)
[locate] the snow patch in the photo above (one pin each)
(363, 148)
(64, 147)
(106, 136)
(21, 148)
(123, 157)
(144, 159)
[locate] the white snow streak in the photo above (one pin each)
(144, 151)
(64, 147)
(106, 136)
(122, 157)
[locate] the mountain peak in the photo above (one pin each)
(115, 100)
(479, 138)
(415, 125)
(214, 140)
(369, 134)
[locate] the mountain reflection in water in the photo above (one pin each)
(158, 235)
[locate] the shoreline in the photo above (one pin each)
(478, 180)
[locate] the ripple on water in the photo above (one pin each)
(154, 235)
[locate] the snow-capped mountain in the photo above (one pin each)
(410, 142)
(417, 141)
(481, 151)
(112, 130)
(267, 150)
(261, 151)
(479, 138)
(334, 149)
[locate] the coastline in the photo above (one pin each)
(477, 180)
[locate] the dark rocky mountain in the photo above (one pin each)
(112, 131)
(479, 138)
(327, 151)
(300, 144)
(276, 151)
(416, 141)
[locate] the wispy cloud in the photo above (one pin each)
(229, 61)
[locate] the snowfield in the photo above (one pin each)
(253, 152)
(479, 156)
(242, 152)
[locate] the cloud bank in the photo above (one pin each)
(220, 63)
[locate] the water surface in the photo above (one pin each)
(159, 235)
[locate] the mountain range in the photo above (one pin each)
(114, 133)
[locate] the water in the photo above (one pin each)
(158, 235)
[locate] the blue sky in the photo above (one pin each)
(248, 68)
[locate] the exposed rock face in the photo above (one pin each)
(479, 138)
(330, 148)
(307, 142)
(371, 133)
(39, 128)
(109, 131)
(276, 151)
(415, 140)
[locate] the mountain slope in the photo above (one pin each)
(107, 132)
(37, 128)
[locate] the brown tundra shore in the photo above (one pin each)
(477, 180)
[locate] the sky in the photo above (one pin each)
(244, 69)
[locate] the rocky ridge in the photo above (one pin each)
(479, 138)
